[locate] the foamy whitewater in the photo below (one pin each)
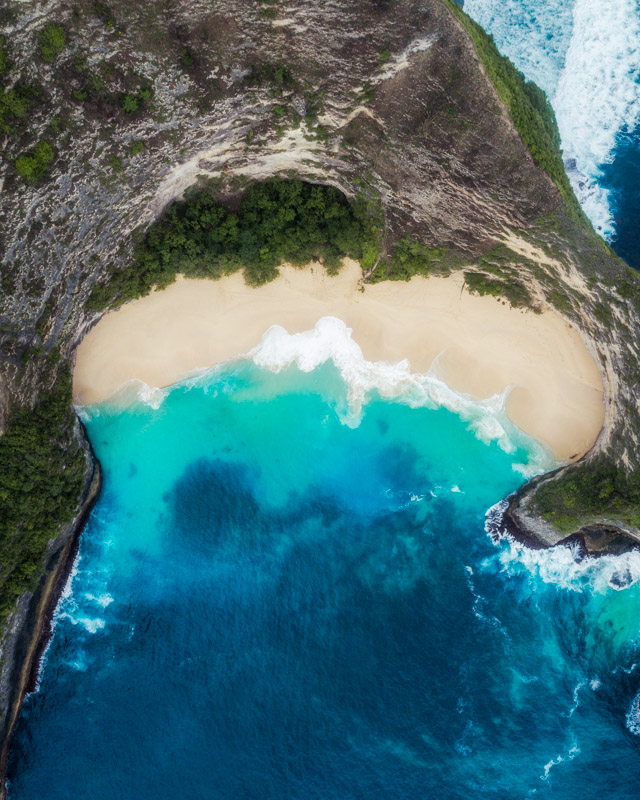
(585, 54)
(295, 584)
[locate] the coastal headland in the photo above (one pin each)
(479, 346)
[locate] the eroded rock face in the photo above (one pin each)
(385, 97)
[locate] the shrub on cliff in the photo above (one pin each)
(4, 59)
(33, 166)
(530, 110)
(51, 41)
(590, 491)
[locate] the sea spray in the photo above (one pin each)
(563, 565)
(585, 55)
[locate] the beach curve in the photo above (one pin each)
(478, 346)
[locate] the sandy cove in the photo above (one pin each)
(482, 345)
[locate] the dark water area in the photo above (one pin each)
(622, 178)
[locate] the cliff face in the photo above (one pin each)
(140, 102)
(382, 98)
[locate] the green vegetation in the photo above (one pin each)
(530, 110)
(14, 106)
(510, 288)
(15, 102)
(41, 476)
(277, 76)
(51, 41)
(135, 147)
(628, 287)
(187, 59)
(277, 220)
(33, 166)
(130, 102)
(586, 492)
(4, 58)
(411, 257)
(561, 301)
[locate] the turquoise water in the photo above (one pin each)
(279, 597)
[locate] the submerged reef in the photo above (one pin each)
(437, 149)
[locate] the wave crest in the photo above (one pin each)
(330, 340)
(562, 565)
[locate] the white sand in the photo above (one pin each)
(484, 345)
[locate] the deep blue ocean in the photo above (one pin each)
(585, 54)
(281, 594)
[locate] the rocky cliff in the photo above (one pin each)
(112, 110)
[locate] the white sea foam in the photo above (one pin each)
(585, 55)
(598, 94)
(571, 753)
(576, 698)
(534, 35)
(562, 565)
(64, 596)
(633, 716)
(102, 600)
(330, 340)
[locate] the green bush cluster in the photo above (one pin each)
(4, 58)
(130, 102)
(33, 166)
(509, 288)
(136, 146)
(277, 76)
(15, 101)
(411, 257)
(588, 491)
(277, 220)
(51, 41)
(41, 478)
(530, 110)
(14, 105)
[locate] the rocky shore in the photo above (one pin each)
(29, 628)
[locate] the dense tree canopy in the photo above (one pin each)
(41, 476)
(277, 220)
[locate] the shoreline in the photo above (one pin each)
(33, 633)
(478, 346)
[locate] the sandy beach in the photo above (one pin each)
(481, 344)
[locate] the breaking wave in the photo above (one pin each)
(585, 55)
(563, 565)
(330, 341)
